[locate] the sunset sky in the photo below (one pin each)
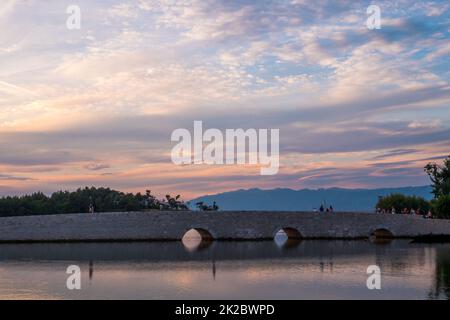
(97, 106)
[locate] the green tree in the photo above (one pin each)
(441, 207)
(440, 177)
(399, 202)
(79, 201)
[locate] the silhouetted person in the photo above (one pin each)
(91, 205)
(321, 208)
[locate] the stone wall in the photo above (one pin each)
(220, 225)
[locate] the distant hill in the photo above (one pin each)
(307, 199)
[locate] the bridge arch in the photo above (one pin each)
(203, 233)
(381, 233)
(196, 239)
(289, 233)
(287, 237)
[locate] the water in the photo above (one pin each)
(226, 270)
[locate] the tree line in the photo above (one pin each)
(439, 207)
(86, 200)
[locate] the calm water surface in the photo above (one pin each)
(226, 270)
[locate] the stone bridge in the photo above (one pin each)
(222, 225)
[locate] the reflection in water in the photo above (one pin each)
(91, 270)
(441, 288)
(381, 241)
(226, 270)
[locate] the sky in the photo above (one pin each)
(96, 106)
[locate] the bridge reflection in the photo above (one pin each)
(441, 287)
(177, 251)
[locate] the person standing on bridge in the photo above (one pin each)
(91, 206)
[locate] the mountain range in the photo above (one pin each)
(363, 200)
